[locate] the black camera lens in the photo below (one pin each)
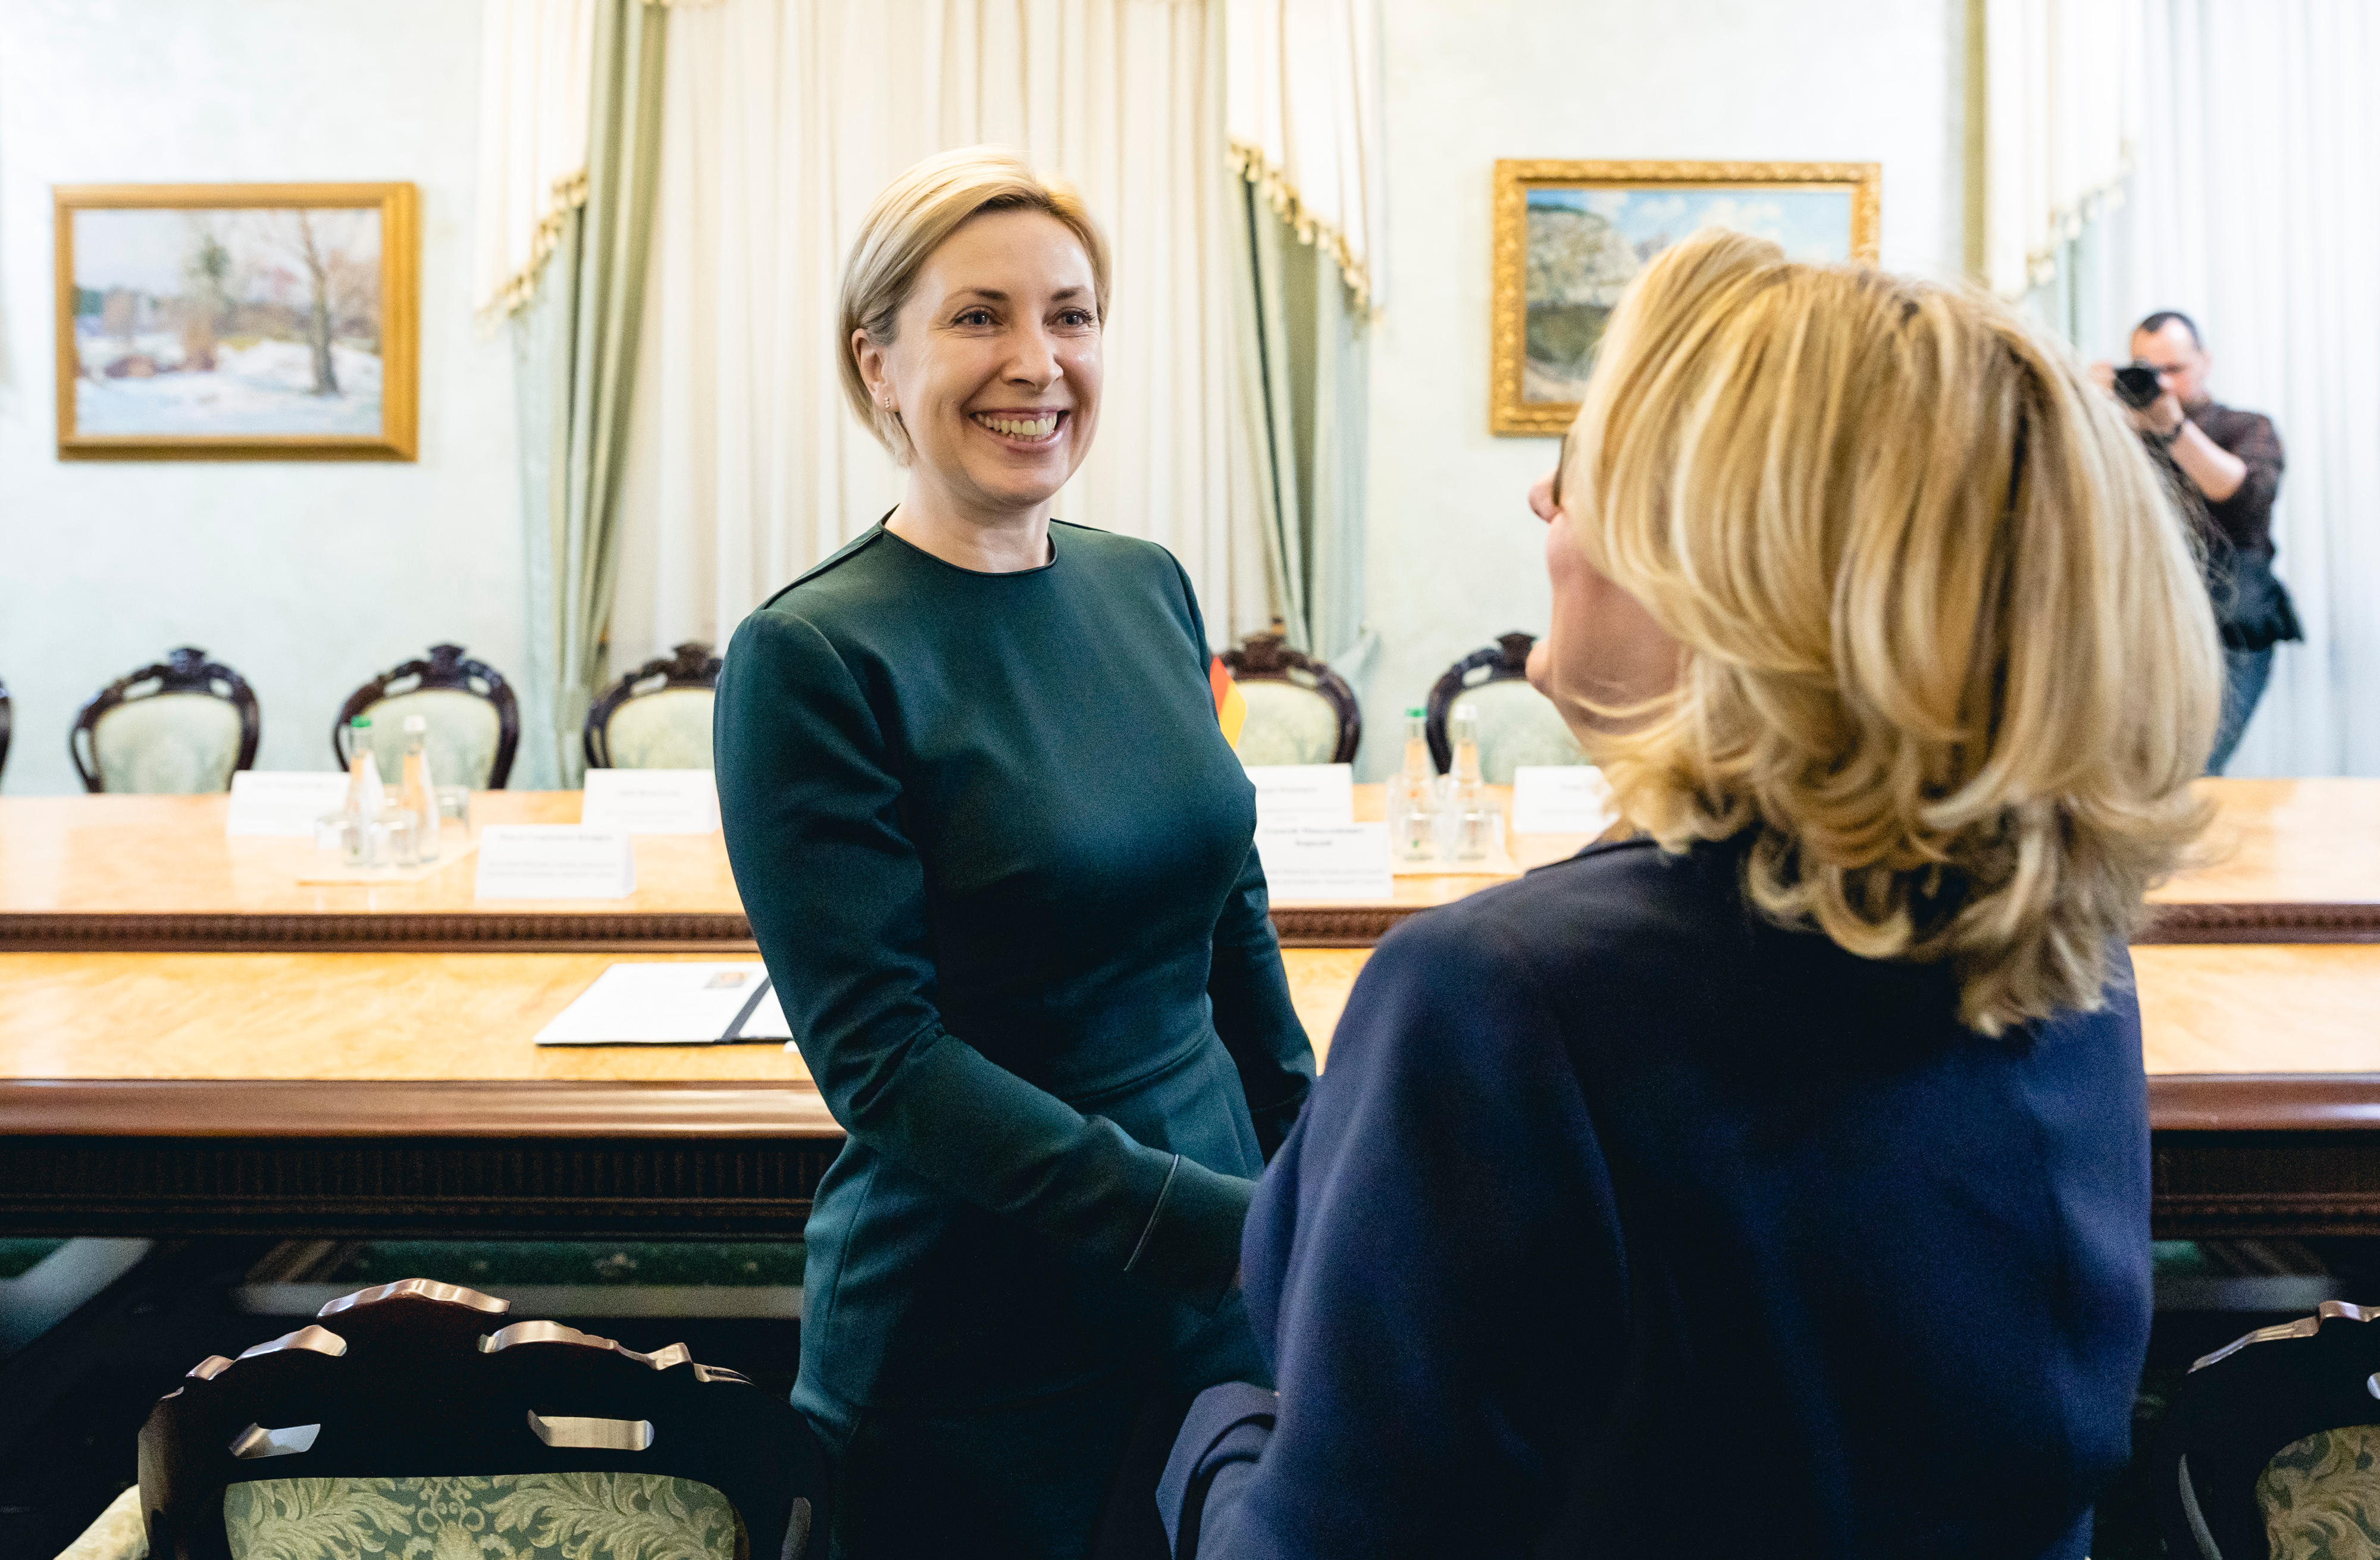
(2136, 385)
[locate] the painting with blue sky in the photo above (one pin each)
(1587, 244)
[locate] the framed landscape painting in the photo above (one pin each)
(1570, 237)
(244, 321)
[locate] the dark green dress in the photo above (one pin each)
(999, 859)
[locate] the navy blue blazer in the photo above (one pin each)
(1624, 1222)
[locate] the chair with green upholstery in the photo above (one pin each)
(2271, 1447)
(412, 1420)
(473, 719)
(1299, 710)
(657, 716)
(1518, 725)
(182, 727)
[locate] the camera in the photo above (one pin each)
(2136, 385)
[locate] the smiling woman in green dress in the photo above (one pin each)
(999, 858)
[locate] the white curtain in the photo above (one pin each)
(1304, 113)
(2061, 111)
(2254, 213)
(781, 120)
(537, 71)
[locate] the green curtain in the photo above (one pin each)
(1303, 369)
(574, 357)
(2084, 301)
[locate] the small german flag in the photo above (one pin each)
(1231, 709)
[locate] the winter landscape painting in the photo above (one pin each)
(1572, 236)
(266, 321)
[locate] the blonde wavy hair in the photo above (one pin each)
(907, 223)
(1944, 642)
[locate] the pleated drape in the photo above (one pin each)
(574, 354)
(781, 121)
(1304, 372)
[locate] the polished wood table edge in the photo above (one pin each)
(2175, 921)
(340, 932)
(220, 1107)
(1297, 925)
(2263, 1102)
(351, 1109)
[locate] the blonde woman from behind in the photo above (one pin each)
(1775, 1182)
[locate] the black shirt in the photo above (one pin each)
(2245, 518)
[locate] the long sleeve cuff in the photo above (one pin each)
(1216, 1449)
(1192, 1241)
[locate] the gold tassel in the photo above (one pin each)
(1252, 166)
(569, 194)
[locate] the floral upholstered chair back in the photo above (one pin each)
(182, 727)
(657, 716)
(412, 1421)
(501, 1516)
(1518, 725)
(2271, 1445)
(2321, 1495)
(470, 717)
(1299, 711)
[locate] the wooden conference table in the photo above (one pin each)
(2290, 860)
(189, 1042)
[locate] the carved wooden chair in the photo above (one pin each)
(4, 717)
(1299, 710)
(181, 727)
(2272, 1445)
(657, 716)
(473, 719)
(1517, 724)
(411, 1419)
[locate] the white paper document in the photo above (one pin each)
(1345, 861)
(547, 861)
(650, 800)
(1561, 799)
(283, 803)
(1303, 793)
(705, 1004)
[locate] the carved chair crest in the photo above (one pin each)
(185, 671)
(690, 665)
(423, 1381)
(1266, 658)
(446, 667)
(1504, 661)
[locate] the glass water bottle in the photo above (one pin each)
(1464, 827)
(1412, 792)
(416, 791)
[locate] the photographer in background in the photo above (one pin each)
(2231, 461)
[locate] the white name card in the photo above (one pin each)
(545, 861)
(650, 800)
(709, 1004)
(1303, 793)
(268, 802)
(1561, 799)
(1344, 861)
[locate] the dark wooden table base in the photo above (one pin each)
(2232, 1157)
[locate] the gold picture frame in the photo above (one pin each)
(238, 322)
(1591, 233)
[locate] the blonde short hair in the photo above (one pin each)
(908, 223)
(1944, 641)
